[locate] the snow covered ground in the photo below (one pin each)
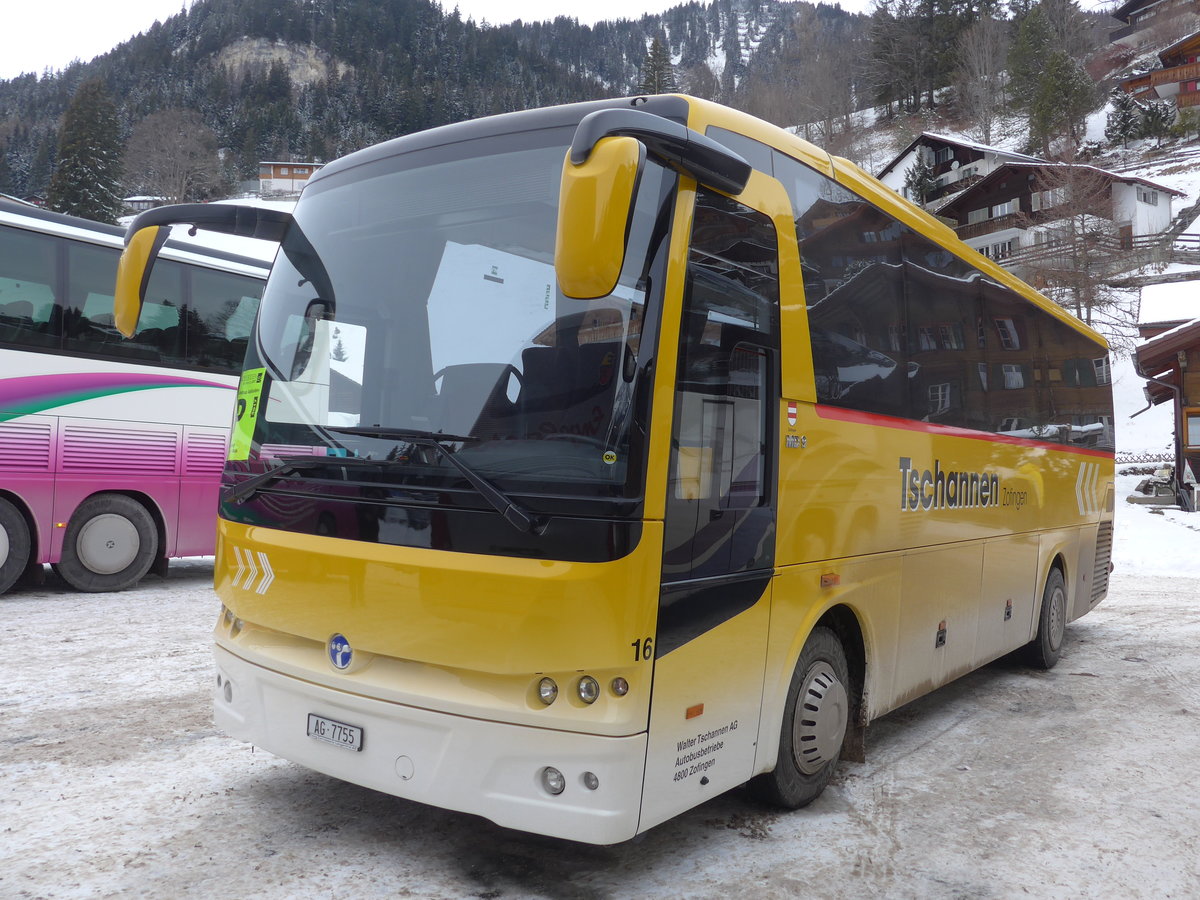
(1075, 782)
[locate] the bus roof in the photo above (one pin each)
(114, 236)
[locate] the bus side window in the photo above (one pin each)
(27, 287)
(719, 501)
(854, 287)
(220, 316)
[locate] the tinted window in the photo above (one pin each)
(58, 294)
(852, 256)
(28, 286)
(718, 520)
(220, 316)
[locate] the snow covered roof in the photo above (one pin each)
(1157, 358)
(1165, 345)
(1167, 52)
(931, 137)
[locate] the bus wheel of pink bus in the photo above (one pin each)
(815, 720)
(111, 542)
(14, 545)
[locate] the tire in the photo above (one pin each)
(14, 545)
(110, 543)
(815, 719)
(1043, 651)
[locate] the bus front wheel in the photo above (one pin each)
(110, 543)
(815, 720)
(14, 545)
(1043, 651)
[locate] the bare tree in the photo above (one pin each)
(982, 61)
(172, 154)
(901, 54)
(1077, 246)
(699, 81)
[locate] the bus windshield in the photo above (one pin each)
(415, 295)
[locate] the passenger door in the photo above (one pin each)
(719, 529)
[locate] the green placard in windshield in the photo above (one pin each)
(246, 414)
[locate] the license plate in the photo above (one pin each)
(337, 733)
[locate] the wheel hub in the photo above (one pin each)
(1057, 626)
(822, 712)
(107, 544)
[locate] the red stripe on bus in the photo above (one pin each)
(865, 418)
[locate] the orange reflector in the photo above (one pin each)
(693, 711)
(830, 579)
(60, 524)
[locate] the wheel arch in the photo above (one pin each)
(23, 508)
(844, 622)
(846, 625)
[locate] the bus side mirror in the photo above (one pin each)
(133, 274)
(600, 177)
(594, 206)
(147, 233)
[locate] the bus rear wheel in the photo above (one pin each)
(110, 543)
(1044, 650)
(14, 545)
(815, 720)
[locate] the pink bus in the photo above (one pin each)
(111, 450)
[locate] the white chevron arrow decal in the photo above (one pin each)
(237, 552)
(1086, 485)
(253, 573)
(268, 574)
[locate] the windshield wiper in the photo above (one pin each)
(289, 465)
(512, 512)
(407, 434)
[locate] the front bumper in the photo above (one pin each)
(491, 769)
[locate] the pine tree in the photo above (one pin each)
(1124, 121)
(1064, 96)
(86, 181)
(658, 75)
(919, 181)
(7, 185)
(1156, 119)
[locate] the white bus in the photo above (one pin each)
(111, 450)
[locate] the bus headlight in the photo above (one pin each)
(620, 686)
(553, 780)
(547, 690)
(589, 689)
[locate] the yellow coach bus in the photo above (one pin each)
(592, 461)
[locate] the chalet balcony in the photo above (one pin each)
(1117, 34)
(1175, 74)
(1185, 99)
(978, 229)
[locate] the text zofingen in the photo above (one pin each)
(938, 489)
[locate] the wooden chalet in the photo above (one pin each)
(1178, 79)
(1017, 205)
(1170, 362)
(956, 162)
(1144, 19)
(285, 177)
